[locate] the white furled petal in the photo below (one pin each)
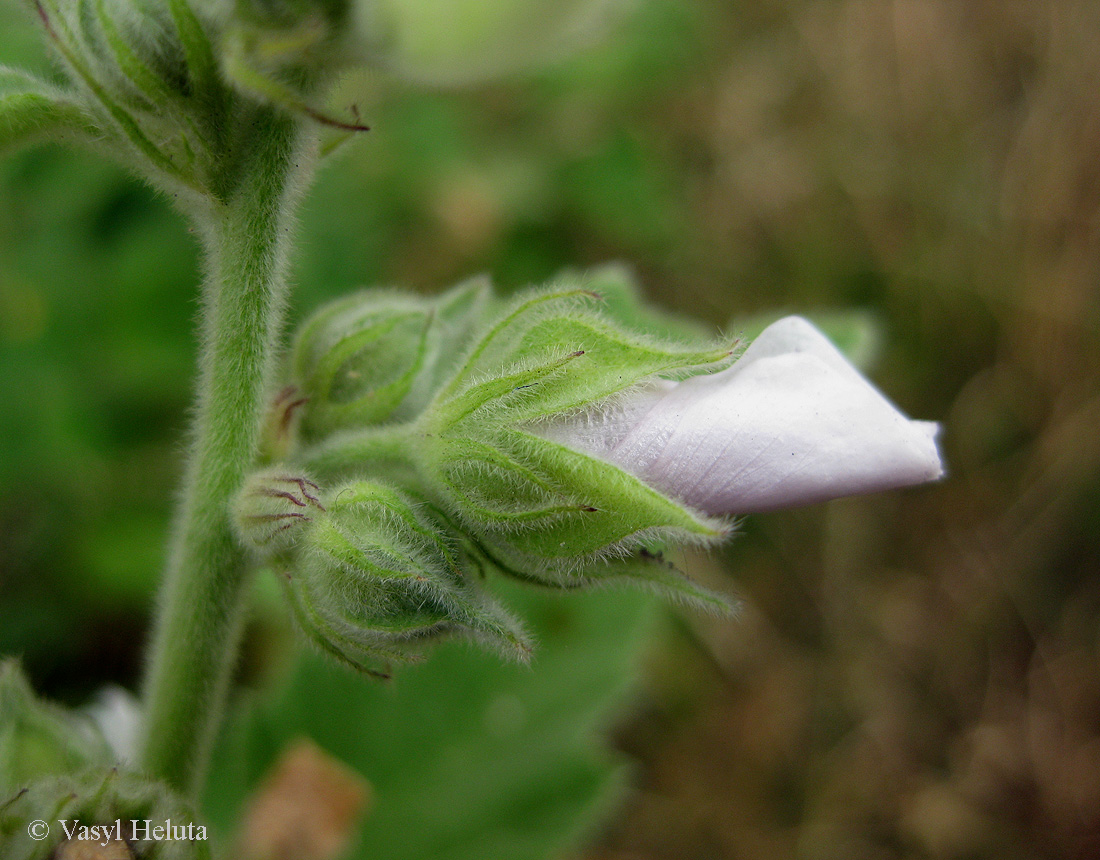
(790, 423)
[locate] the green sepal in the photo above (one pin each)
(38, 738)
(647, 568)
(457, 315)
(375, 576)
(543, 332)
(32, 110)
(650, 569)
(100, 797)
(553, 509)
(498, 393)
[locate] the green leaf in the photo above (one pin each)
(470, 758)
(552, 506)
(32, 110)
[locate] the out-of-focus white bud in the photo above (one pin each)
(790, 423)
(118, 716)
(469, 41)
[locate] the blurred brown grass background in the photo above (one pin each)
(915, 675)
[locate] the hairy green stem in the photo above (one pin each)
(202, 603)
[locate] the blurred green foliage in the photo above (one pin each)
(467, 757)
(914, 675)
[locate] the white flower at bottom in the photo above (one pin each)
(790, 423)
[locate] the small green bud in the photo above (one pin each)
(376, 575)
(39, 738)
(356, 360)
(273, 507)
(379, 356)
(99, 810)
(146, 72)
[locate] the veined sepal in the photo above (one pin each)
(553, 350)
(647, 567)
(33, 110)
(555, 510)
(147, 73)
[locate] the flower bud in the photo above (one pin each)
(566, 448)
(356, 360)
(790, 423)
(39, 738)
(376, 575)
(273, 507)
(539, 507)
(147, 73)
(378, 355)
(465, 41)
(52, 818)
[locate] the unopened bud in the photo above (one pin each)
(375, 576)
(38, 737)
(548, 508)
(356, 359)
(273, 507)
(380, 356)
